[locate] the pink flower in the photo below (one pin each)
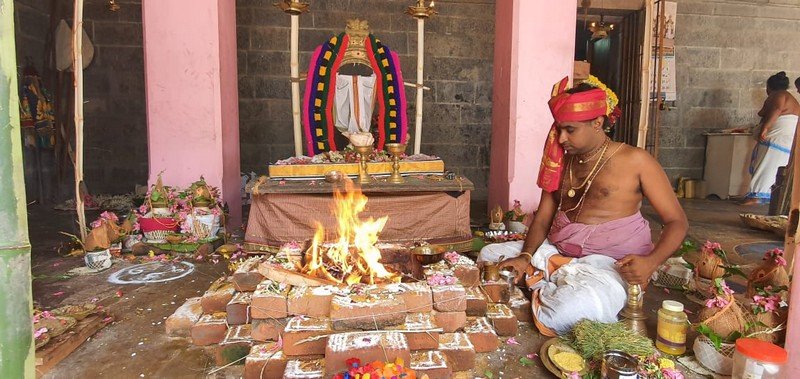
(717, 302)
(671, 373)
(776, 255)
(512, 341)
(574, 375)
(38, 333)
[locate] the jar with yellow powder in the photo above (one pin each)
(672, 326)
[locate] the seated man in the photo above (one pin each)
(588, 237)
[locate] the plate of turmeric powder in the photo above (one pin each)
(561, 359)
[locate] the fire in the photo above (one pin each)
(352, 257)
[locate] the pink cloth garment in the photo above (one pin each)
(616, 239)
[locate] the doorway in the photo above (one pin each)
(610, 40)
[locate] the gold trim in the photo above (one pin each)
(584, 107)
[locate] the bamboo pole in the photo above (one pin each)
(420, 66)
(77, 69)
(295, 72)
(660, 71)
(17, 358)
(647, 57)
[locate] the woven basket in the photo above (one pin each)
(673, 274)
(771, 320)
(720, 361)
(157, 236)
(724, 321)
(98, 260)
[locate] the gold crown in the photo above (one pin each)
(356, 52)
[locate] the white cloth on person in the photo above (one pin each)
(585, 288)
(770, 154)
(354, 100)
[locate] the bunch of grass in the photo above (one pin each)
(592, 339)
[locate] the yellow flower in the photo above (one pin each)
(611, 98)
(665, 363)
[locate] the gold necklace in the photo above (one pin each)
(579, 204)
(594, 153)
(572, 189)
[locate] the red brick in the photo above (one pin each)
(502, 319)
(301, 328)
(311, 301)
(450, 321)
(420, 331)
(468, 274)
(297, 369)
(218, 296)
(267, 330)
(367, 311)
(451, 298)
(269, 300)
(476, 302)
(459, 351)
(180, 323)
(234, 347)
(432, 363)
(416, 296)
(246, 277)
(482, 336)
(366, 346)
(210, 329)
(497, 292)
(521, 306)
(238, 309)
(265, 361)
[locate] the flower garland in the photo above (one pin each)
(612, 101)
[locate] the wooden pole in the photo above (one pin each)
(77, 69)
(660, 70)
(420, 66)
(647, 58)
(295, 72)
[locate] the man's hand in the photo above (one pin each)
(636, 269)
(763, 136)
(518, 265)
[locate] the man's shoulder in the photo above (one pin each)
(632, 152)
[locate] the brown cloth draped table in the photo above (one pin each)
(424, 208)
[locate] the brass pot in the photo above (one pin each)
(426, 255)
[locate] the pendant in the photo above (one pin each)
(571, 193)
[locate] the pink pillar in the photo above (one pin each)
(534, 49)
(192, 95)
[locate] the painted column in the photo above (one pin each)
(534, 49)
(16, 330)
(192, 95)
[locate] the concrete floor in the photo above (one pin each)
(135, 345)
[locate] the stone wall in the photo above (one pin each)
(115, 125)
(458, 69)
(725, 52)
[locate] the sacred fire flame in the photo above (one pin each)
(353, 257)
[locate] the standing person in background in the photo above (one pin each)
(797, 84)
(779, 117)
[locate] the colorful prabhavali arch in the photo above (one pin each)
(318, 119)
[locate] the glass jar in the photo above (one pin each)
(672, 326)
(756, 359)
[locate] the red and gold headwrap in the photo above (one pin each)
(566, 107)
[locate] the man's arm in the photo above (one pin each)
(537, 233)
(656, 188)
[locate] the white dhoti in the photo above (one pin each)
(583, 288)
(769, 155)
(354, 99)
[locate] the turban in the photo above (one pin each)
(566, 107)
